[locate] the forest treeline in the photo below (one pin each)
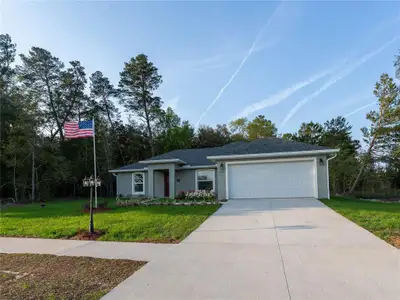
(41, 93)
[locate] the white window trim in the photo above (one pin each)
(315, 174)
(195, 179)
(133, 184)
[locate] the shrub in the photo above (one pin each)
(181, 196)
(200, 195)
(104, 204)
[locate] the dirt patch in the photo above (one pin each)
(42, 276)
(87, 236)
(395, 240)
(97, 210)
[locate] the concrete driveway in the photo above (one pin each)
(294, 249)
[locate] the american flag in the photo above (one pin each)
(75, 130)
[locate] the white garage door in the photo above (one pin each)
(272, 180)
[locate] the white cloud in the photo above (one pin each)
(337, 77)
(282, 95)
(360, 108)
(244, 60)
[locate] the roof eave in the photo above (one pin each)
(162, 161)
(272, 155)
(127, 170)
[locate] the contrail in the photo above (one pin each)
(245, 58)
(282, 95)
(337, 78)
(360, 108)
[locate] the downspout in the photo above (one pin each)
(327, 173)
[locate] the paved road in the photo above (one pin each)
(271, 249)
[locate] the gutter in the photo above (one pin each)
(186, 167)
(127, 170)
(276, 154)
(162, 161)
(327, 173)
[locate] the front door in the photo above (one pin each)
(166, 185)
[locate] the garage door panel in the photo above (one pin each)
(271, 180)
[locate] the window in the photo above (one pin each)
(205, 180)
(138, 183)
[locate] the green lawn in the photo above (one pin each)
(62, 219)
(382, 219)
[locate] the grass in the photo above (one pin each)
(43, 276)
(62, 219)
(382, 219)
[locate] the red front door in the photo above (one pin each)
(166, 185)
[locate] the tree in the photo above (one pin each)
(238, 129)
(385, 123)
(41, 73)
(103, 91)
(139, 79)
(397, 65)
(207, 136)
(289, 136)
(343, 169)
(7, 57)
(310, 133)
(259, 127)
(72, 101)
(172, 133)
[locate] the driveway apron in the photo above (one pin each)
(271, 249)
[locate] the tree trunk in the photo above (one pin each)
(53, 109)
(15, 179)
(33, 170)
(371, 145)
(148, 122)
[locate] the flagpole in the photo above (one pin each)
(94, 165)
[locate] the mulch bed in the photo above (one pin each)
(87, 236)
(390, 200)
(43, 276)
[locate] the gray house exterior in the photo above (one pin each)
(264, 168)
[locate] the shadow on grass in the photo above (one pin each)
(357, 205)
(75, 208)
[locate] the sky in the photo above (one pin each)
(293, 62)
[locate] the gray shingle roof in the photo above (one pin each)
(198, 157)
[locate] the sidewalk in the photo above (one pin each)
(111, 250)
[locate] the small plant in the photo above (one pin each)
(104, 204)
(181, 196)
(200, 195)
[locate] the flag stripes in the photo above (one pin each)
(75, 130)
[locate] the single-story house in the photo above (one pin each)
(263, 168)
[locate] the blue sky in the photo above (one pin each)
(290, 61)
